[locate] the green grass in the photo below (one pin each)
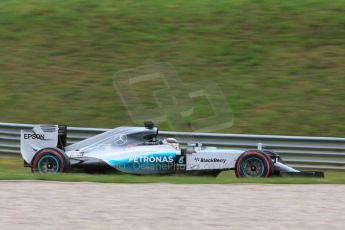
(279, 64)
(12, 169)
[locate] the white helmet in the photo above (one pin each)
(171, 141)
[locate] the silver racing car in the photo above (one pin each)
(137, 150)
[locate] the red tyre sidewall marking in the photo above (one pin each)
(256, 154)
(55, 153)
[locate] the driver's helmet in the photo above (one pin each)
(172, 142)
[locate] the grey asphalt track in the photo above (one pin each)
(63, 205)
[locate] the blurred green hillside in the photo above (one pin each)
(280, 64)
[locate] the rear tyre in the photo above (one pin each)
(253, 164)
(49, 161)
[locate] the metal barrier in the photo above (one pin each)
(297, 151)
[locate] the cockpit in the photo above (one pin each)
(167, 141)
(153, 137)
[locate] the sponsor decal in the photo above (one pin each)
(151, 159)
(120, 139)
(209, 160)
(181, 160)
(34, 136)
(194, 166)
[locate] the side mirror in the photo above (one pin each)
(260, 146)
(149, 124)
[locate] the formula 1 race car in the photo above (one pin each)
(137, 150)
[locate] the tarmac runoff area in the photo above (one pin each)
(64, 205)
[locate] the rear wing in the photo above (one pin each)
(39, 137)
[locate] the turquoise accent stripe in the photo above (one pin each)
(117, 162)
(126, 160)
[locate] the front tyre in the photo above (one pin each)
(253, 164)
(49, 161)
